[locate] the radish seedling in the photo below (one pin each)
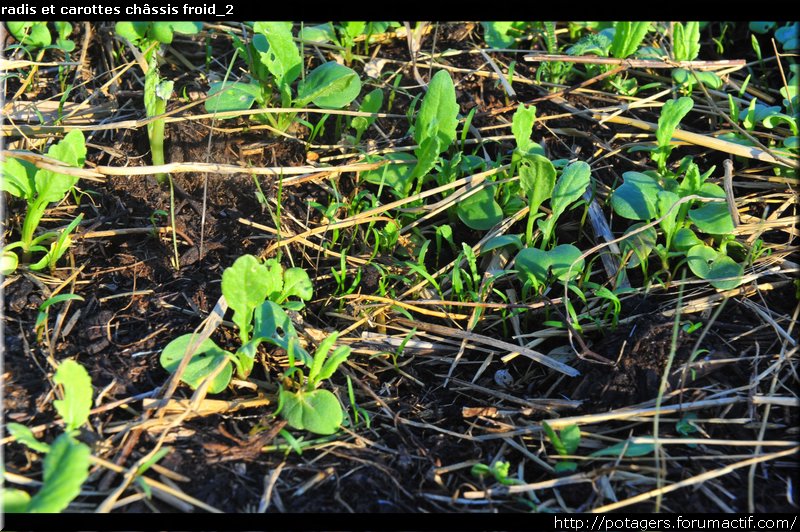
(40, 187)
(275, 64)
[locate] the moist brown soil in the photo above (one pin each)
(135, 302)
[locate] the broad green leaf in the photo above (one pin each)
(231, 96)
(713, 219)
(700, 258)
(725, 273)
(537, 177)
(627, 38)
(133, 31)
(569, 188)
(631, 450)
(641, 244)
(273, 324)
(330, 86)
(14, 501)
(565, 263)
(532, 262)
(353, 28)
(636, 198)
(502, 241)
(686, 41)
(246, 285)
(685, 239)
(282, 58)
(66, 467)
(438, 112)
(52, 186)
(571, 438)
(318, 411)
(522, 126)
(684, 77)
(297, 283)
(207, 357)
(74, 408)
(18, 178)
(480, 211)
(24, 435)
(33, 34)
(397, 175)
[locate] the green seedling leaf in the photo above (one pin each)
(18, 178)
(686, 41)
(480, 211)
(684, 77)
(246, 285)
(319, 359)
(427, 154)
(15, 501)
(558, 445)
(565, 466)
(725, 273)
(30, 34)
(565, 263)
(318, 411)
(571, 438)
(74, 408)
(592, 44)
(630, 450)
(66, 467)
(207, 357)
(627, 38)
(397, 175)
(700, 258)
(438, 114)
(641, 244)
(522, 127)
(246, 356)
(760, 27)
(296, 283)
(502, 241)
(671, 115)
(321, 33)
(636, 198)
(713, 218)
(329, 86)
(8, 262)
(569, 188)
(667, 211)
(533, 262)
(685, 239)
(537, 178)
(24, 435)
(133, 31)
(231, 96)
(339, 355)
(496, 34)
(371, 103)
(281, 56)
(52, 186)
